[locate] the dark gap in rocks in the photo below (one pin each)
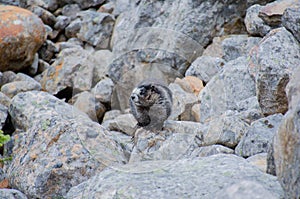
(26, 71)
(107, 108)
(7, 129)
(65, 94)
(209, 43)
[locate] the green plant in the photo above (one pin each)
(4, 160)
(3, 138)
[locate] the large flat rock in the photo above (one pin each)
(186, 178)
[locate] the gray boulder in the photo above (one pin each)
(12, 194)
(286, 144)
(236, 46)
(96, 28)
(259, 160)
(50, 5)
(224, 130)
(290, 19)
(7, 77)
(70, 10)
(182, 103)
(254, 24)
(205, 67)
(246, 189)
(4, 100)
(21, 83)
(71, 43)
(249, 110)
(125, 123)
(55, 146)
(103, 90)
(112, 114)
(186, 178)
(62, 22)
(123, 6)
(10, 2)
(176, 141)
(88, 103)
(47, 17)
(215, 48)
(102, 58)
(258, 136)
(73, 69)
(272, 63)
(228, 88)
(125, 141)
(73, 28)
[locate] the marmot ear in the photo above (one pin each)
(153, 88)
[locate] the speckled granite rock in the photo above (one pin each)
(228, 88)
(272, 63)
(96, 28)
(12, 194)
(57, 147)
(72, 69)
(21, 83)
(186, 178)
(290, 20)
(258, 136)
(254, 24)
(286, 143)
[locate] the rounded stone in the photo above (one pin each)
(21, 35)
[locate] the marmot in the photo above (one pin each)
(151, 104)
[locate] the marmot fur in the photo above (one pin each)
(151, 104)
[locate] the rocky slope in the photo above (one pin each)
(68, 68)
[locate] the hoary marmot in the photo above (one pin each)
(151, 104)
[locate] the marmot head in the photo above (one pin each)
(144, 95)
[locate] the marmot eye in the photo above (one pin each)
(142, 91)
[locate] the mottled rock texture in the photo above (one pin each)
(258, 136)
(57, 146)
(287, 142)
(229, 87)
(21, 35)
(272, 63)
(177, 179)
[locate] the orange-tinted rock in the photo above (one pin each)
(21, 35)
(190, 84)
(195, 84)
